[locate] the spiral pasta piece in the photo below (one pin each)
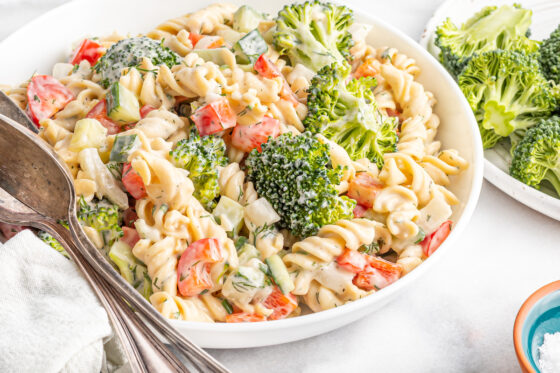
(161, 260)
(392, 56)
(180, 308)
(231, 181)
(447, 163)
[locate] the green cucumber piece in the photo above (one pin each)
(230, 211)
(88, 133)
(246, 253)
(216, 55)
(122, 105)
(246, 19)
(121, 255)
(123, 147)
(250, 47)
(280, 273)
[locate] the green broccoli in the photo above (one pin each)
(52, 242)
(507, 93)
(129, 53)
(346, 112)
(491, 28)
(537, 156)
(314, 34)
(104, 217)
(201, 156)
(295, 175)
(549, 56)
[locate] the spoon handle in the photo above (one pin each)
(199, 358)
(145, 352)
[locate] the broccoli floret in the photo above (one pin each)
(346, 112)
(314, 34)
(52, 242)
(104, 217)
(537, 156)
(129, 53)
(295, 175)
(507, 92)
(549, 56)
(202, 157)
(491, 28)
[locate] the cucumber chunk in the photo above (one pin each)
(123, 147)
(246, 19)
(133, 271)
(250, 47)
(280, 273)
(88, 133)
(216, 55)
(230, 214)
(122, 105)
(121, 255)
(246, 253)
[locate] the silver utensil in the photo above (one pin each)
(31, 172)
(144, 351)
(12, 111)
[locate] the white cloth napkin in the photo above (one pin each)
(50, 319)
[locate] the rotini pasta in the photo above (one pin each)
(181, 146)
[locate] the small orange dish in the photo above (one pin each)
(539, 314)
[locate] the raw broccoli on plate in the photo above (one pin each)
(507, 93)
(492, 28)
(537, 156)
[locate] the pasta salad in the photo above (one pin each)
(235, 166)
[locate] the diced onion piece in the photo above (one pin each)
(95, 169)
(261, 212)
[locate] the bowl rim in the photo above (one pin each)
(385, 293)
(526, 307)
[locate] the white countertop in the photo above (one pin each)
(457, 318)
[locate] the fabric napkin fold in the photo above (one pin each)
(50, 319)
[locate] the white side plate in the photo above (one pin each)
(546, 16)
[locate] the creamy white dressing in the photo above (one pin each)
(333, 277)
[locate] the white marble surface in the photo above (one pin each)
(459, 317)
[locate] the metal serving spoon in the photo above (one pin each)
(31, 172)
(144, 351)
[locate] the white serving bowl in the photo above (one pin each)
(48, 39)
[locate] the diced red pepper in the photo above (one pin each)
(431, 243)
(87, 50)
(214, 117)
(193, 270)
(363, 188)
(267, 69)
(244, 317)
(130, 236)
(282, 304)
(133, 182)
(378, 274)
(99, 112)
(145, 110)
(194, 38)
(46, 96)
(247, 138)
(360, 211)
(352, 260)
